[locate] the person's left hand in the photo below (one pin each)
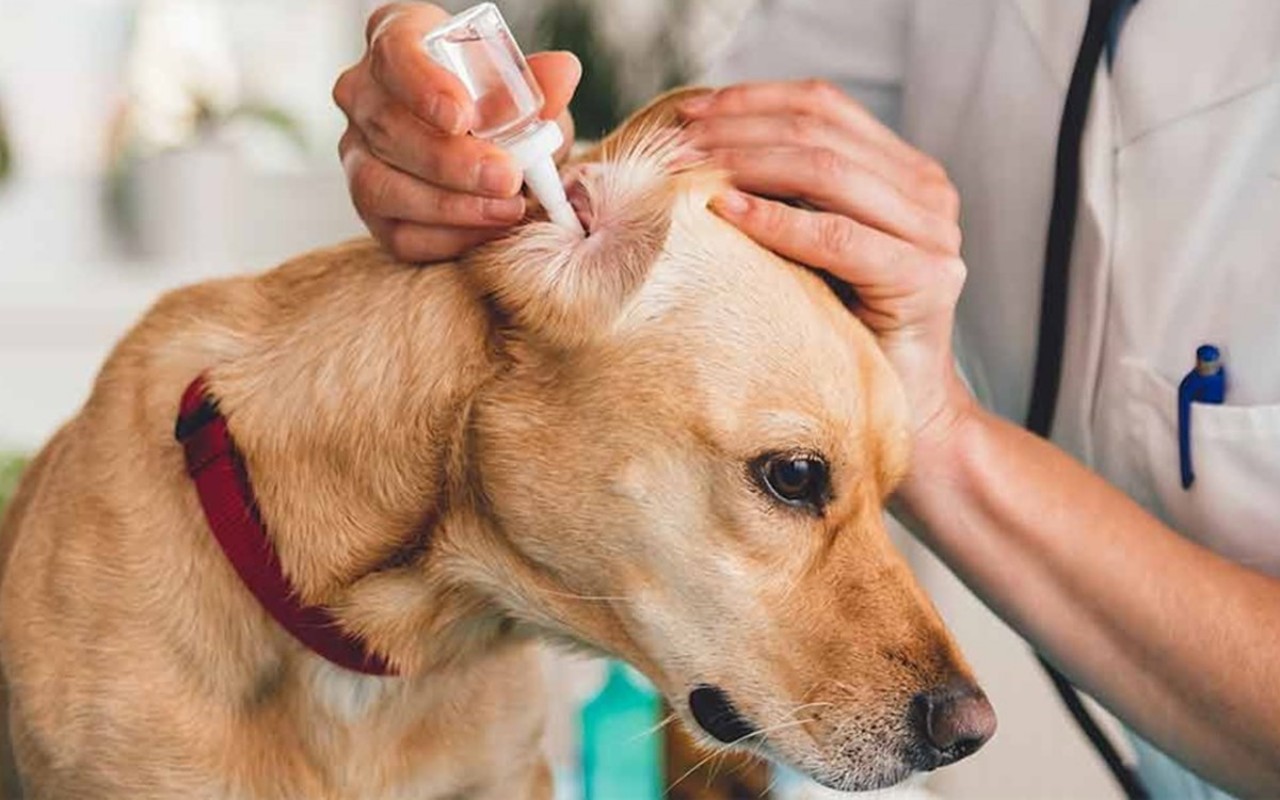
(877, 213)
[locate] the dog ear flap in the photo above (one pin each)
(661, 112)
(564, 291)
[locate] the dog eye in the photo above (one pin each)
(797, 480)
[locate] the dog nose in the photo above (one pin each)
(955, 721)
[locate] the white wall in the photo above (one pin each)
(69, 280)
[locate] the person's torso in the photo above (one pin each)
(1177, 239)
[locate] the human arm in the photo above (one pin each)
(1182, 644)
(424, 187)
(1179, 642)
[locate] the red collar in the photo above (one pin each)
(222, 482)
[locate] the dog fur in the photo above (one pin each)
(548, 440)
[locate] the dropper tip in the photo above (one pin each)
(544, 181)
(564, 216)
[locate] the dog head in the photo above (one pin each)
(686, 465)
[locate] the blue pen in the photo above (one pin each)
(1206, 383)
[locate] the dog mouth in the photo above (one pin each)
(715, 713)
(875, 765)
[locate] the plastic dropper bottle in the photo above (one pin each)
(477, 46)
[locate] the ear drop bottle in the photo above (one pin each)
(477, 47)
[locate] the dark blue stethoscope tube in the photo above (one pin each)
(1102, 28)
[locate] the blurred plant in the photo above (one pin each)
(678, 64)
(207, 127)
(6, 154)
(571, 25)
(182, 91)
(208, 120)
(11, 467)
(605, 95)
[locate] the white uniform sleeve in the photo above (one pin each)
(860, 45)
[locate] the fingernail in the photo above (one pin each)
(496, 177)
(731, 204)
(507, 209)
(697, 104)
(577, 62)
(446, 114)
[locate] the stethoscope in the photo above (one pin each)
(1106, 17)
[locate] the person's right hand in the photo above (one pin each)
(425, 188)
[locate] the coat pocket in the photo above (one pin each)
(1234, 505)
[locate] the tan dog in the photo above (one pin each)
(661, 442)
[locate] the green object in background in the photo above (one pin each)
(606, 93)
(11, 467)
(597, 105)
(6, 155)
(621, 747)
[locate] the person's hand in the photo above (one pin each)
(424, 187)
(877, 214)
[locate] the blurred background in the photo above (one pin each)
(145, 144)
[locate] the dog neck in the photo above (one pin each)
(353, 436)
(215, 466)
(354, 431)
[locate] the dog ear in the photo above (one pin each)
(562, 290)
(661, 112)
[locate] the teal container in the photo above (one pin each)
(621, 750)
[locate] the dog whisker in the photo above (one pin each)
(803, 706)
(716, 763)
(670, 718)
(773, 781)
(743, 741)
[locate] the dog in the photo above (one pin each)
(661, 442)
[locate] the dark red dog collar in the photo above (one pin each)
(222, 483)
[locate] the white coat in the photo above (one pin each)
(1177, 240)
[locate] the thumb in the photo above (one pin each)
(558, 73)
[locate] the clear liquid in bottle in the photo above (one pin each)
(477, 47)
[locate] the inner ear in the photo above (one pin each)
(565, 290)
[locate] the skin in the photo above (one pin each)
(1061, 555)
(426, 189)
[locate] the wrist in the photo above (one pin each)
(940, 446)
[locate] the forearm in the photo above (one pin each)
(1182, 644)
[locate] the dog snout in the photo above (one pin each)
(952, 722)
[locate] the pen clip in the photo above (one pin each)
(1205, 383)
